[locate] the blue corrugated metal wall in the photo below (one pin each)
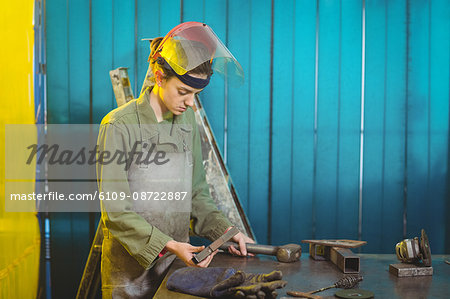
(341, 129)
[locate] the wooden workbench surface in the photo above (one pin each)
(308, 274)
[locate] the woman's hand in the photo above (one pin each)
(241, 239)
(185, 252)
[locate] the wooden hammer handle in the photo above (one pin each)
(303, 295)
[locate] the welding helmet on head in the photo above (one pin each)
(191, 44)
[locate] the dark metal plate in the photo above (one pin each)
(354, 293)
(425, 249)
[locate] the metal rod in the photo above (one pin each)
(253, 248)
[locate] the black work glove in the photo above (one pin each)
(225, 282)
(248, 285)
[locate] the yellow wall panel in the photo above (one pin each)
(19, 232)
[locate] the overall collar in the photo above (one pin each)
(173, 130)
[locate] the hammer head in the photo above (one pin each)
(289, 253)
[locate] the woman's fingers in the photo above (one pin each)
(197, 249)
(234, 251)
(186, 251)
(242, 246)
(205, 263)
(241, 239)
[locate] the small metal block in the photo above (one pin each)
(409, 270)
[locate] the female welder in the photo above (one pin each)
(160, 186)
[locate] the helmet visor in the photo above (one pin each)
(191, 44)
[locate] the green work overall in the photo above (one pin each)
(135, 231)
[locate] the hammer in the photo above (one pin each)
(286, 254)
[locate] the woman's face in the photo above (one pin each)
(177, 96)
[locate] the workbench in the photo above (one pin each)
(308, 274)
